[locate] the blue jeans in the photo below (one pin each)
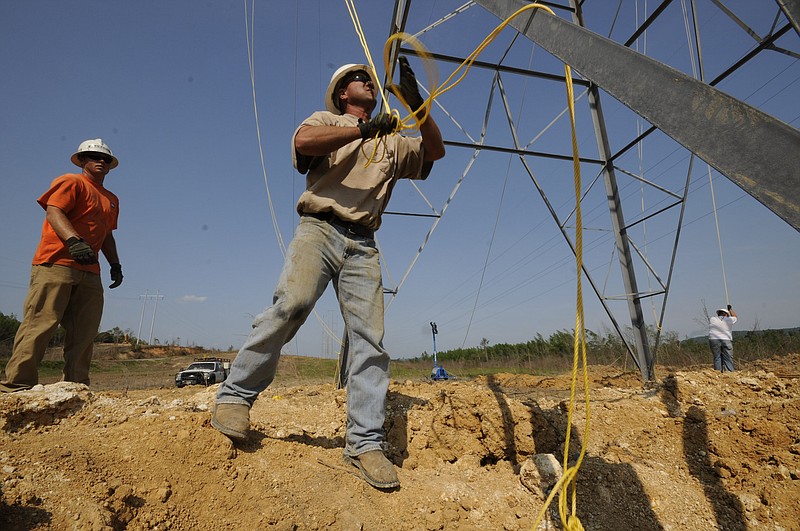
(321, 253)
(722, 349)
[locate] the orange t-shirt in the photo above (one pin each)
(92, 210)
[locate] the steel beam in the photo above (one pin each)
(643, 361)
(791, 8)
(758, 152)
(643, 356)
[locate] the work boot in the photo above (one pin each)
(232, 419)
(375, 469)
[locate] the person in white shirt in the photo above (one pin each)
(720, 338)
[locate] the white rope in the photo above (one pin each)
(719, 235)
(495, 83)
(640, 158)
(560, 115)
(450, 198)
(444, 19)
(249, 35)
(708, 166)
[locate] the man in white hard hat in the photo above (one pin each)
(65, 286)
(347, 190)
(720, 338)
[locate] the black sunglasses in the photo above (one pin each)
(362, 77)
(98, 156)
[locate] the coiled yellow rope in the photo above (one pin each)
(567, 511)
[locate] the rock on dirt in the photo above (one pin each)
(698, 450)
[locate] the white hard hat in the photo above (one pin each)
(723, 310)
(94, 146)
(337, 76)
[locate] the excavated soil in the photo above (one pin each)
(699, 450)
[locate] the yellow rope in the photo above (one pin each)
(571, 521)
(567, 512)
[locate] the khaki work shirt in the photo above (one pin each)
(343, 183)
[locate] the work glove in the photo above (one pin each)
(408, 88)
(729, 308)
(81, 252)
(116, 275)
(381, 125)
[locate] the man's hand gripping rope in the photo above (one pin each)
(382, 125)
(408, 91)
(408, 94)
(389, 123)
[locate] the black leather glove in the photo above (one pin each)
(81, 252)
(116, 275)
(408, 87)
(381, 125)
(729, 308)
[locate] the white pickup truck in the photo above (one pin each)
(205, 371)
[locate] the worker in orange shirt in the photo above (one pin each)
(65, 286)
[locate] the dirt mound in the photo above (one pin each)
(699, 450)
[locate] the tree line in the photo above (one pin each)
(609, 348)
(602, 348)
(9, 324)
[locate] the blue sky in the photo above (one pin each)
(167, 86)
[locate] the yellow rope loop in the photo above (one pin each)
(430, 66)
(380, 142)
(432, 75)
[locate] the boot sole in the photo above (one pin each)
(233, 434)
(372, 481)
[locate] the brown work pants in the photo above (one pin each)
(57, 294)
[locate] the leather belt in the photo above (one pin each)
(348, 226)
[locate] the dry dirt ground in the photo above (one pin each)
(699, 450)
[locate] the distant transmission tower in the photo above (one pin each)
(145, 298)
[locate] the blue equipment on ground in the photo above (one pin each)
(438, 372)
